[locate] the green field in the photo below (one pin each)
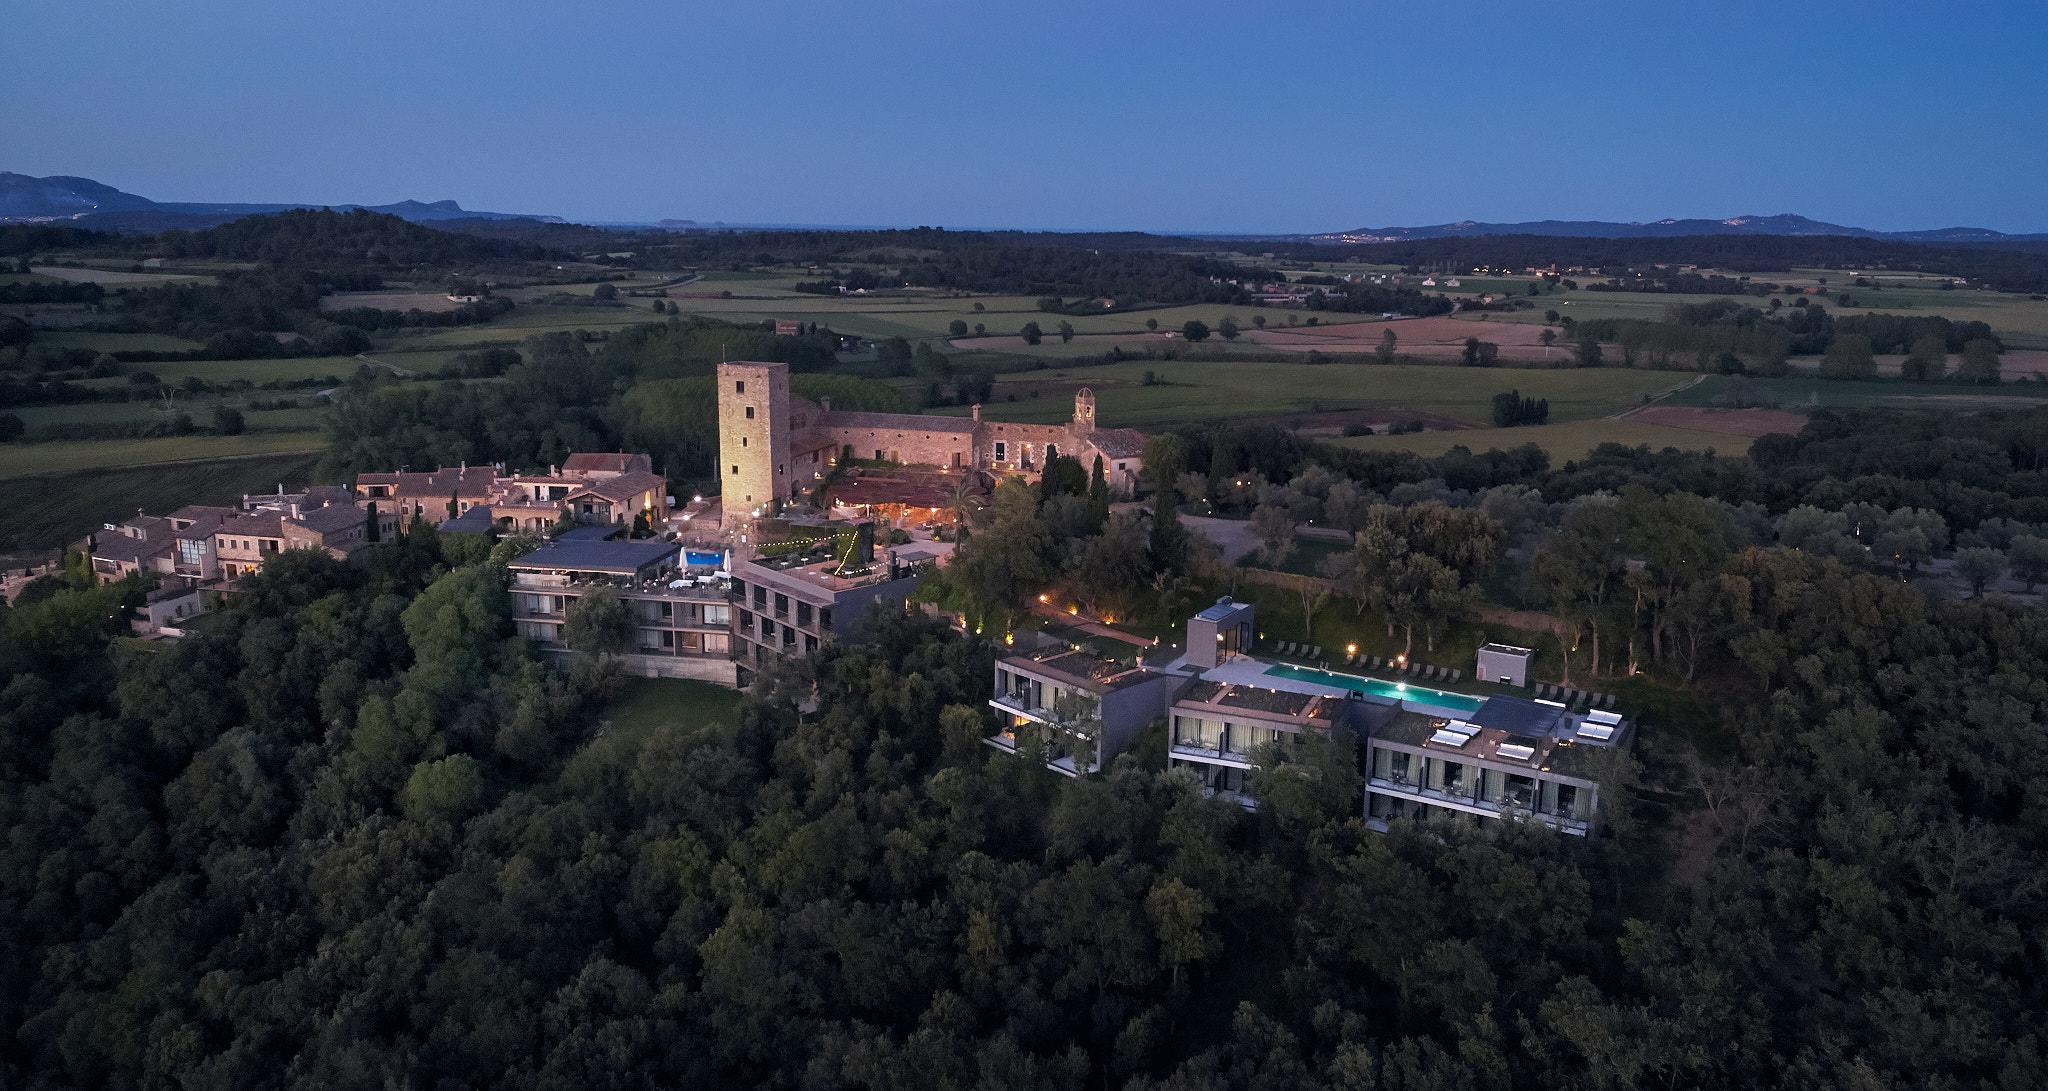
(25, 459)
(69, 506)
(2019, 321)
(312, 413)
(1194, 391)
(114, 342)
(281, 369)
(520, 323)
(1808, 392)
(1563, 441)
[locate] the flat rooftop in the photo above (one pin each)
(1080, 668)
(612, 558)
(1505, 649)
(822, 572)
(1560, 749)
(1276, 703)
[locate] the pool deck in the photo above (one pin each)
(1246, 671)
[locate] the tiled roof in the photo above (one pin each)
(905, 422)
(120, 547)
(331, 518)
(262, 524)
(624, 487)
(200, 529)
(1118, 442)
(616, 462)
(456, 480)
(203, 511)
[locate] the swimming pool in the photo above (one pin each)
(1402, 691)
(697, 558)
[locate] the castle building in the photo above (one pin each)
(773, 444)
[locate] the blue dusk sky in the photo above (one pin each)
(1171, 117)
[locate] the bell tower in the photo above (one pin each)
(1084, 411)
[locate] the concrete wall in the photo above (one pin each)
(1126, 712)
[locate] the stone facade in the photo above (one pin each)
(770, 443)
(753, 439)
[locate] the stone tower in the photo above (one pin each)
(1084, 411)
(753, 440)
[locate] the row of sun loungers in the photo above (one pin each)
(1573, 698)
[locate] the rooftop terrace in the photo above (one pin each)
(1081, 668)
(1284, 704)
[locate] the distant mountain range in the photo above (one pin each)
(1781, 224)
(87, 203)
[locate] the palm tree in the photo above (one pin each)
(964, 502)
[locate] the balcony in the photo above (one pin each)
(1461, 799)
(1213, 755)
(1070, 766)
(1227, 796)
(1019, 705)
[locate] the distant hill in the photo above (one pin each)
(331, 239)
(87, 203)
(1781, 224)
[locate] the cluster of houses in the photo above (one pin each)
(717, 590)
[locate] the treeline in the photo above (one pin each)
(325, 239)
(1377, 299)
(22, 239)
(51, 292)
(2006, 267)
(1966, 469)
(1675, 281)
(644, 388)
(1705, 336)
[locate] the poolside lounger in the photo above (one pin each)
(1285, 647)
(1316, 652)
(1428, 673)
(1351, 659)
(1443, 674)
(1542, 690)
(1457, 674)
(1607, 700)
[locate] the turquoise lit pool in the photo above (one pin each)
(1400, 691)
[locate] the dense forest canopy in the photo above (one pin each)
(353, 835)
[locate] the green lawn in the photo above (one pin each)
(643, 707)
(1193, 391)
(65, 507)
(26, 459)
(1564, 441)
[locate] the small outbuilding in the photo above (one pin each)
(1503, 663)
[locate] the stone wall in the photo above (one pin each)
(753, 439)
